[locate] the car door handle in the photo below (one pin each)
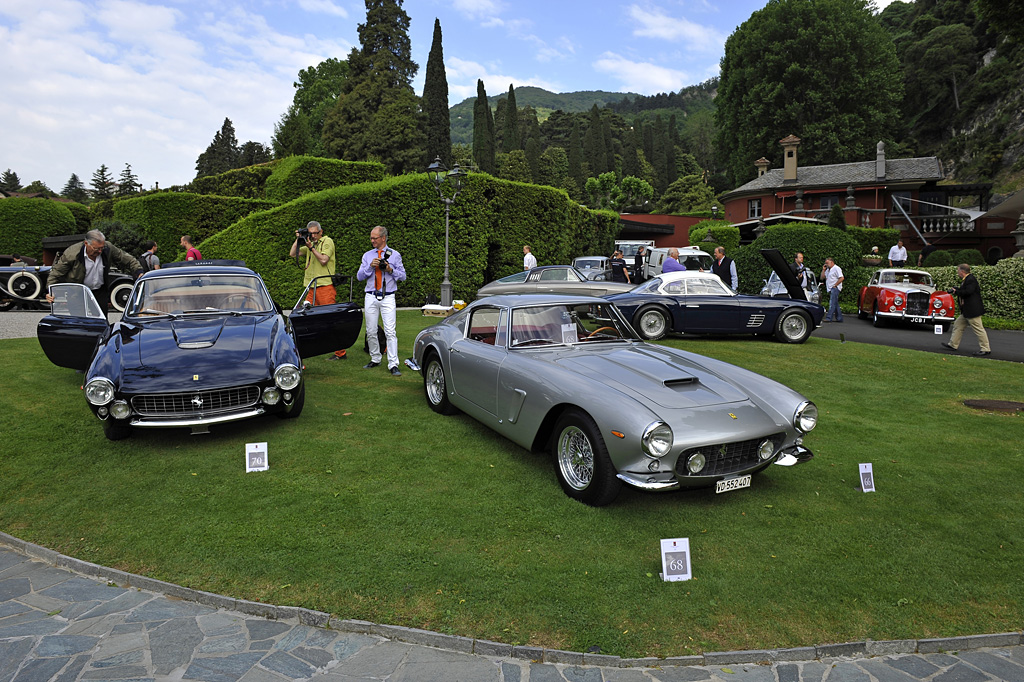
(453, 349)
(692, 305)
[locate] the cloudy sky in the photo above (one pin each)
(149, 82)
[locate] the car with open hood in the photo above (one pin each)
(552, 279)
(197, 345)
(568, 375)
(694, 302)
(901, 294)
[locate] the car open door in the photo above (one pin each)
(75, 324)
(322, 324)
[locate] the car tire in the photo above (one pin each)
(793, 326)
(651, 322)
(300, 402)
(24, 284)
(861, 313)
(119, 294)
(435, 386)
(877, 319)
(584, 469)
(116, 429)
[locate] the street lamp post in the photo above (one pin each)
(439, 174)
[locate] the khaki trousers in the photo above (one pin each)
(962, 322)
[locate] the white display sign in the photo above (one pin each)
(675, 559)
(939, 329)
(569, 333)
(867, 479)
(256, 457)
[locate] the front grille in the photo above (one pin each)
(917, 303)
(196, 403)
(726, 458)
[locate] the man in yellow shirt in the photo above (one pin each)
(316, 255)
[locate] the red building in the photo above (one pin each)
(904, 194)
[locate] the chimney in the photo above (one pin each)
(789, 145)
(880, 161)
(762, 166)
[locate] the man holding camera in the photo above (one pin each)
(316, 251)
(382, 270)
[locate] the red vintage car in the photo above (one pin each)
(900, 294)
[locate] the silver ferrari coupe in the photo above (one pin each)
(569, 374)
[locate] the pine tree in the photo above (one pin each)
(222, 154)
(483, 131)
(575, 151)
(9, 181)
(75, 190)
(435, 103)
(102, 184)
(510, 138)
(593, 144)
(252, 153)
(293, 135)
(128, 183)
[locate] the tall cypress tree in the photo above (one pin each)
(435, 103)
(593, 144)
(511, 138)
(576, 170)
(483, 131)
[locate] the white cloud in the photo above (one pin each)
(463, 74)
(642, 77)
(323, 7)
(478, 9)
(653, 22)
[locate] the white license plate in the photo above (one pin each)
(727, 484)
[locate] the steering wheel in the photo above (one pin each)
(240, 301)
(602, 329)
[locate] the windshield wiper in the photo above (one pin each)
(214, 310)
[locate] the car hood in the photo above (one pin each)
(781, 268)
(908, 288)
(648, 373)
(218, 341)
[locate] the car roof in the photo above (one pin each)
(906, 270)
(520, 300)
(681, 274)
(198, 270)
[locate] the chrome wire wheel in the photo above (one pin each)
(575, 458)
(652, 323)
(794, 326)
(435, 383)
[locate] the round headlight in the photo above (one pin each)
(936, 303)
(120, 409)
(271, 396)
(287, 377)
(898, 300)
(806, 417)
(657, 439)
(99, 391)
(695, 463)
(766, 449)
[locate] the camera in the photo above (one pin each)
(383, 264)
(303, 234)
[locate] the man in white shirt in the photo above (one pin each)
(898, 255)
(833, 276)
(529, 260)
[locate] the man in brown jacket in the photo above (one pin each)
(88, 263)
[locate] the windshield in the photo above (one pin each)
(588, 263)
(565, 323)
(516, 277)
(177, 295)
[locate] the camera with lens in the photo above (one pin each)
(303, 234)
(383, 264)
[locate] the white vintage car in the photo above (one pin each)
(569, 374)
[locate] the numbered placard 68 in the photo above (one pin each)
(675, 559)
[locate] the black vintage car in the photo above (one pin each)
(696, 302)
(197, 345)
(23, 284)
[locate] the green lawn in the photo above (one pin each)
(376, 508)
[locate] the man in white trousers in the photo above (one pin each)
(382, 270)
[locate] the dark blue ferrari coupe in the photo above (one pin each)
(197, 345)
(696, 302)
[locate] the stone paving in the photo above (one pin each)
(62, 619)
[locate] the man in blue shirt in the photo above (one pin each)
(382, 270)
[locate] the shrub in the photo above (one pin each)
(166, 216)
(298, 175)
(125, 236)
(722, 234)
(1002, 285)
(489, 223)
(83, 218)
(836, 218)
(938, 259)
(882, 237)
(24, 222)
(969, 256)
(248, 182)
(815, 241)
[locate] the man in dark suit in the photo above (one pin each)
(725, 268)
(968, 296)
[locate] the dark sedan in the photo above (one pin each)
(700, 303)
(196, 346)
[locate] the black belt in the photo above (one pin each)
(390, 293)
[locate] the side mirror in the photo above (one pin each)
(306, 305)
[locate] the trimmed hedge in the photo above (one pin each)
(24, 222)
(247, 183)
(299, 175)
(1002, 285)
(166, 216)
(937, 259)
(815, 241)
(722, 234)
(883, 237)
(83, 218)
(489, 223)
